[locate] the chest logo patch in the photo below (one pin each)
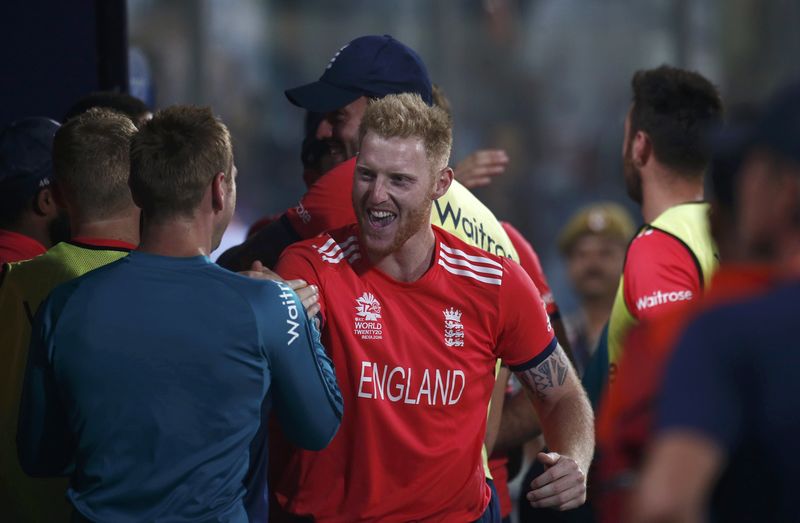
(453, 328)
(367, 322)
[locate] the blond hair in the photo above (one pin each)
(175, 156)
(407, 115)
(91, 162)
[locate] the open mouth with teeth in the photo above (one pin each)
(380, 218)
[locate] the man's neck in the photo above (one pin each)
(177, 237)
(123, 227)
(412, 260)
(665, 189)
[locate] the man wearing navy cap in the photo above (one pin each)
(369, 67)
(728, 424)
(30, 221)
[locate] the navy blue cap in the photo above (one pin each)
(776, 128)
(26, 157)
(372, 66)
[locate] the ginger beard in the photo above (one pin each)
(632, 175)
(393, 191)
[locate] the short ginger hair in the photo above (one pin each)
(407, 115)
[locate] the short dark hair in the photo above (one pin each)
(174, 157)
(126, 104)
(676, 108)
(91, 162)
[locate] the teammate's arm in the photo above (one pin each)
(326, 205)
(567, 423)
(45, 444)
(519, 423)
(678, 478)
(265, 246)
(308, 294)
(306, 395)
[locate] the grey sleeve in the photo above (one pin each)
(304, 390)
(45, 444)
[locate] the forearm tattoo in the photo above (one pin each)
(550, 373)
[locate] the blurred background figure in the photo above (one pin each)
(625, 424)
(30, 220)
(593, 243)
(727, 425)
(665, 155)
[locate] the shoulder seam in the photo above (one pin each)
(691, 253)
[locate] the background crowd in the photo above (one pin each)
(698, 215)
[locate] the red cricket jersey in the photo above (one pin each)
(415, 363)
(653, 288)
(328, 203)
(18, 247)
(530, 262)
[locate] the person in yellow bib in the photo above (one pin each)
(665, 154)
(90, 160)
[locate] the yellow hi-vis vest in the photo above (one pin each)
(461, 213)
(688, 223)
(25, 286)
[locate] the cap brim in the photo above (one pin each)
(321, 97)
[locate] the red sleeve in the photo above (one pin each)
(660, 274)
(295, 264)
(526, 337)
(530, 262)
(328, 203)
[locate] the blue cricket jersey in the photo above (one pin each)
(148, 380)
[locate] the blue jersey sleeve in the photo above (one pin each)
(45, 444)
(704, 386)
(304, 390)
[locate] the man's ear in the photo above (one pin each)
(219, 189)
(642, 149)
(45, 203)
(444, 178)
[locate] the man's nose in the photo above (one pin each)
(378, 192)
(325, 128)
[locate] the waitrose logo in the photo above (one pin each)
(660, 298)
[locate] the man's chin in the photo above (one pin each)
(376, 247)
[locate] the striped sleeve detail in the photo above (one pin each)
(333, 252)
(482, 269)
